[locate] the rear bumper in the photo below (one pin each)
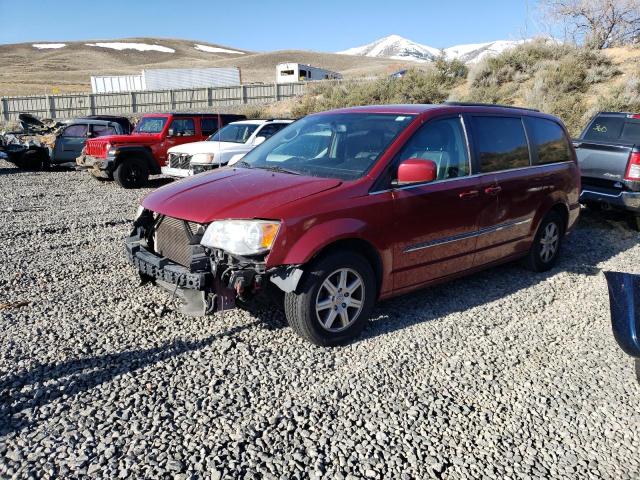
(624, 200)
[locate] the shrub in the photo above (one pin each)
(623, 98)
(429, 86)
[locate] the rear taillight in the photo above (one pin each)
(634, 115)
(633, 169)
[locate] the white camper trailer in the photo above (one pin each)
(298, 72)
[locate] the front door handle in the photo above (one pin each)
(470, 194)
(493, 190)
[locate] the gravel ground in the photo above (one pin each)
(504, 374)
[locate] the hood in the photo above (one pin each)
(204, 147)
(144, 139)
(233, 193)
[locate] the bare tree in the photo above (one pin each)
(596, 23)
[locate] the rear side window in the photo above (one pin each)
(501, 143)
(443, 142)
(78, 130)
(550, 141)
(183, 127)
(209, 126)
(103, 130)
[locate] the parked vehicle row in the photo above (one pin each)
(347, 207)
(331, 213)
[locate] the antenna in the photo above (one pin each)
(219, 140)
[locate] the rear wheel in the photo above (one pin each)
(334, 301)
(131, 173)
(546, 244)
(32, 160)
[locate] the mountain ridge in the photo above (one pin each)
(400, 48)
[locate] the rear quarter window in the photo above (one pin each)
(550, 141)
(501, 143)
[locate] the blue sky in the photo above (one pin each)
(263, 25)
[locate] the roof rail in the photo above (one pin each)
(496, 105)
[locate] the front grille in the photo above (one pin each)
(173, 239)
(179, 160)
(95, 148)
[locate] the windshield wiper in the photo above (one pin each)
(280, 170)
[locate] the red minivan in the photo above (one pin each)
(350, 206)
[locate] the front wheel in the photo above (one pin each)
(334, 301)
(546, 244)
(131, 173)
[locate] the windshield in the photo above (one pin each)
(234, 133)
(341, 145)
(151, 125)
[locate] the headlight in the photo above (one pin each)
(202, 158)
(241, 237)
(112, 152)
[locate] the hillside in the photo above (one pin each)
(67, 66)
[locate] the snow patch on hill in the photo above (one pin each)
(141, 47)
(210, 49)
(44, 46)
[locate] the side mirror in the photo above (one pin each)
(258, 140)
(417, 170)
(171, 132)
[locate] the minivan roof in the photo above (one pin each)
(416, 109)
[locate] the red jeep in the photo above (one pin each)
(130, 159)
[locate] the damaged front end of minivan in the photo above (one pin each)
(209, 267)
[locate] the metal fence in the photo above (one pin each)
(75, 105)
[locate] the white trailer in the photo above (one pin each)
(167, 79)
(298, 72)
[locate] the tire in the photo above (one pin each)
(545, 250)
(31, 160)
(341, 324)
(131, 173)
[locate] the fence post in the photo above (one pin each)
(5, 109)
(92, 104)
(243, 94)
(51, 101)
(173, 100)
(277, 94)
(134, 107)
(210, 97)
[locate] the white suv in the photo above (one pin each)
(229, 144)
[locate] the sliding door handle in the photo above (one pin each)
(493, 190)
(470, 194)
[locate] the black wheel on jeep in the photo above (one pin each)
(545, 250)
(131, 173)
(334, 300)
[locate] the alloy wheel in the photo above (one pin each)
(340, 299)
(549, 242)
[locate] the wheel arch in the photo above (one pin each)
(356, 245)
